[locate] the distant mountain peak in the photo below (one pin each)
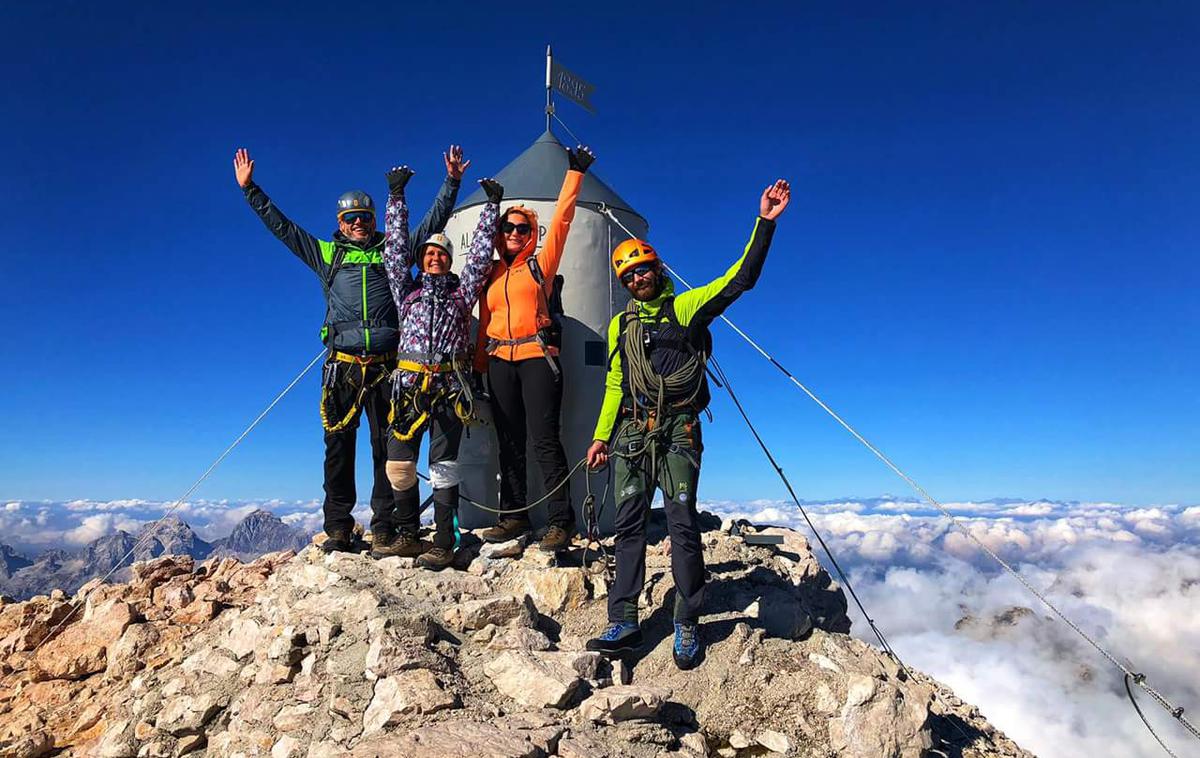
(261, 532)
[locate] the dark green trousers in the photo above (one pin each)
(668, 458)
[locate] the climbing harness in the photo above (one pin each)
(494, 344)
(336, 362)
(412, 407)
(1138, 679)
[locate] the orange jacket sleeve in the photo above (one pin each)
(556, 233)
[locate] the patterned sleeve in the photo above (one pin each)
(479, 254)
(397, 258)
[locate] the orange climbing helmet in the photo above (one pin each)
(630, 253)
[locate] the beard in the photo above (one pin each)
(646, 289)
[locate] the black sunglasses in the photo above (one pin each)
(363, 216)
(509, 227)
(639, 270)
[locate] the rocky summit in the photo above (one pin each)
(330, 655)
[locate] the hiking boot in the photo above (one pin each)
(509, 528)
(339, 542)
(618, 637)
(435, 559)
(556, 539)
(688, 648)
(404, 544)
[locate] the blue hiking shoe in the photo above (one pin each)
(618, 637)
(688, 649)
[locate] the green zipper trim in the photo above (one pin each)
(366, 329)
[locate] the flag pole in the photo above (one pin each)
(549, 102)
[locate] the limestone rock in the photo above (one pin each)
(405, 694)
(449, 739)
(82, 647)
(187, 715)
(476, 614)
(243, 637)
(511, 549)
(624, 702)
(537, 680)
(519, 638)
(878, 720)
(555, 590)
(30, 746)
(774, 741)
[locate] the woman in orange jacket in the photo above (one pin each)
(519, 354)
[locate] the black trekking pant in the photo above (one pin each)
(527, 395)
(340, 400)
(445, 434)
(673, 449)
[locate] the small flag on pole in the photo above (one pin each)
(570, 84)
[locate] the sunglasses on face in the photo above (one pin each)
(350, 218)
(509, 227)
(639, 270)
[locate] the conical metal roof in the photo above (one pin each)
(537, 174)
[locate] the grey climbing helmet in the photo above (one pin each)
(355, 200)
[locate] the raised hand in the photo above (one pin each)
(580, 158)
(774, 199)
(493, 189)
(455, 165)
(397, 178)
(243, 167)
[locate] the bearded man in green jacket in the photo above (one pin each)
(654, 393)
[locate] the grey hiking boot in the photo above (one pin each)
(618, 637)
(435, 559)
(404, 544)
(556, 539)
(509, 528)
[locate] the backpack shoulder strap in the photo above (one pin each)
(535, 270)
(339, 255)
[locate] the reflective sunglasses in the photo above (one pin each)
(639, 270)
(362, 216)
(509, 227)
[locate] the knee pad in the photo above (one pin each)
(402, 474)
(443, 474)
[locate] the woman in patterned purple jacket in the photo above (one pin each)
(428, 385)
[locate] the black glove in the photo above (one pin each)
(493, 189)
(397, 178)
(580, 158)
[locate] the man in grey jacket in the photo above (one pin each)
(361, 331)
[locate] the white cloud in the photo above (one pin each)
(94, 527)
(1129, 577)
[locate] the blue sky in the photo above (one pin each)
(989, 265)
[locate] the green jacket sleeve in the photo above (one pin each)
(438, 214)
(305, 246)
(612, 386)
(706, 303)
